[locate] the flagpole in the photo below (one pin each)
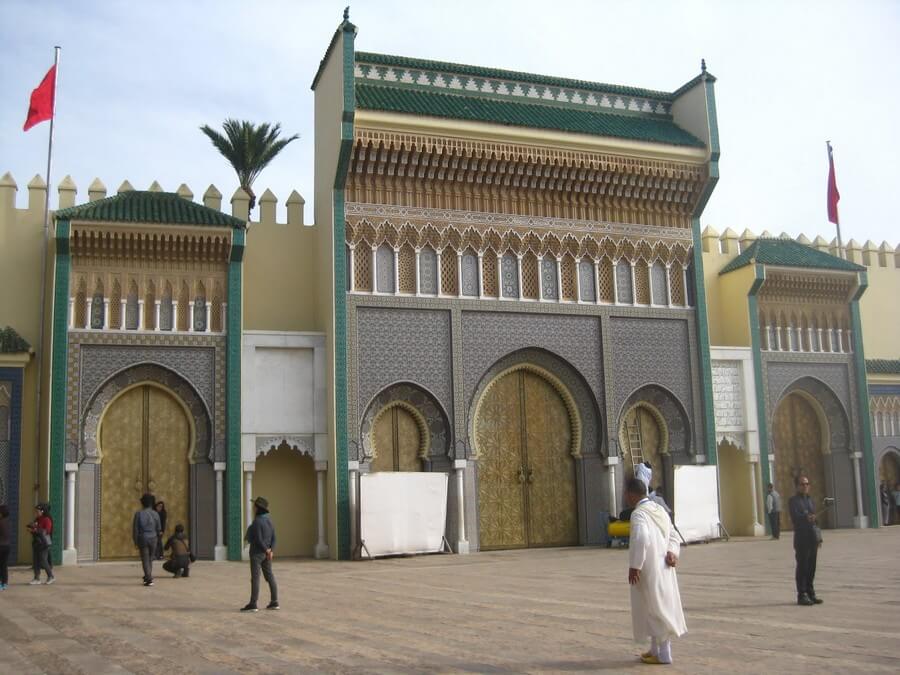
(837, 218)
(44, 247)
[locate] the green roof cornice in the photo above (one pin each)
(11, 342)
(496, 73)
(522, 114)
(883, 366)
(163, 208)
(789, 253)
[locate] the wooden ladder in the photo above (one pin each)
(635, 446)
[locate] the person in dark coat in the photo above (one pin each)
(261, 537)
(180, 562)
(41, 529)
(160, 508)
(146, 531)
(5, 543)
(807, 539)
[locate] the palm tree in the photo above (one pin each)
(248, 148)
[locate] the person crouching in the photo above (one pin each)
(180, 562)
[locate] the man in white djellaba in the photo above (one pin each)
(656, 612)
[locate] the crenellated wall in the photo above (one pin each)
(726, 297)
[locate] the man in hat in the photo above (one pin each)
(261, 537)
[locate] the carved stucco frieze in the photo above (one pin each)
(304, 444)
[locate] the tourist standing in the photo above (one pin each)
(41, 529)
(897, 502)
(261, 537)
(146, 531)
(773, 510)
(160, 508)
(656, 612)
(180, 562)
(807, 539)
(886, 499)
(5, 543)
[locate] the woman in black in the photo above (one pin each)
(180, 562)
(160, 508)
(5, 543)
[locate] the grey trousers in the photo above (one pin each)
(258, 561)
(148, 552)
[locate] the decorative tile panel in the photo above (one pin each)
(587, 281)
(398, 345)
(509, 274)
(728, 394)
(469, 275)
(428, 271)
(384, 260)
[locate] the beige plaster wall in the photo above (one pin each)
(328, 114)
(280, 277)
(21, 240)
(880, 310)
(736, 501)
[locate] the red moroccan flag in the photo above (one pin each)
(833, 195)
(41, 106)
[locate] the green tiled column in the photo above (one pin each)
(862, 388)
(234, 529)
(342, 490)
(58, 352)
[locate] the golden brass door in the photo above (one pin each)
(526, 475)
(397, 441)
(144, 439)
(798, 446)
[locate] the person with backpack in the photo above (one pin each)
(180, 562)
(41, 529)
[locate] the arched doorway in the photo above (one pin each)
(526, 472)
(798, 435)
(643, 438)
(397, 440)
(287, 479)
(890, 468)
(145, 442)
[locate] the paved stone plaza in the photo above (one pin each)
(518, 611)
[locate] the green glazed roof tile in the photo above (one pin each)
(11, 342)
(417, 102)
(789, 253)
(165, 208)
(478, 71)
(883, 366)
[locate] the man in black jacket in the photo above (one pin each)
(806, 542)
(261, 537)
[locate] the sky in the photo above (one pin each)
(137, 80)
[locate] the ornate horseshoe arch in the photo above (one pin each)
(197, 412)
(433, 423)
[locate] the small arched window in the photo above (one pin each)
(509, 274)
(428, 271)
(586, 281)
(624, 287)
(469, 274)
(658, 284)
(165, 308)
(97, 307)
(200, 318)
(384, 259)
(131, 307)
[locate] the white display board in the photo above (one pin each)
(697, 502)
(402, 512)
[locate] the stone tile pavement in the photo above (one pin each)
(562, 610)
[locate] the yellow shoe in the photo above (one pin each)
(651, 659)
(646, 655)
